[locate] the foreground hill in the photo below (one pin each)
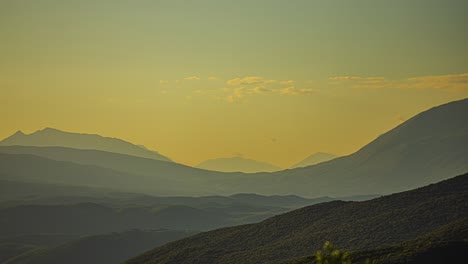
(55, 137)
(100, 249)
(445, 245)
(352, 225)
(237, 164)
(313, 159)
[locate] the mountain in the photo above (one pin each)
(99, 249)
(427, 148)
(237, 164)
(54, 137)
(354, 226)
(313, 159)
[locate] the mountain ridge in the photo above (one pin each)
(237, 164)
(313, 159)
(54, 137)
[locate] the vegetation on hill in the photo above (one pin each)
(356, 226)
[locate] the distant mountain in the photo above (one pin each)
(425, 149)
(54, 137)
(436, 210)
(313, 159)
(110, 170)
(237, 164)
(99, 249)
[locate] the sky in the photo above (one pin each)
(269, 80)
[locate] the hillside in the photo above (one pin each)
(237, 164)
(445, 245)
(313, 159)
(427, 148)
(355, 226)
(100, 249)
(55, 137)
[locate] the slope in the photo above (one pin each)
(352, 225)
(313, 159)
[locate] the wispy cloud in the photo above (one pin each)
(288, 82)
(212, 78)
(250, 80)
(294, 91)
(453, 82)
(192, 78)
(163, 81)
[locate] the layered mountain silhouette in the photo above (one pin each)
(438, 210)
(55, 137)
(237, 164)
(425, 149)
(313, 159)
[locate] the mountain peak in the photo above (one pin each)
(52, 137)
(18, 133)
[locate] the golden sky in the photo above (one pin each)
(272, 80)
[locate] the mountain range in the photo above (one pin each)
(48, 137)
(237, 164)
(425, 149)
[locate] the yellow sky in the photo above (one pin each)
(271, 80)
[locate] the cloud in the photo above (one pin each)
(251, 80)
(236, 94)
(192, 78)
(452, 82)
(288, 82)
(163, 81)
(212, 78)
(294, 91)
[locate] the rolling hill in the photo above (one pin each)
(100, 249)
(354, 226)
(313, 159)
(55, 137)
(237, 164)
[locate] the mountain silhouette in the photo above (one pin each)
(237, 164)
(427, 148)
(354, 226)
(313, 159)
(55, 137)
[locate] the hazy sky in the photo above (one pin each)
(273, 80)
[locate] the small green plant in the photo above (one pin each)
(331, 255)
